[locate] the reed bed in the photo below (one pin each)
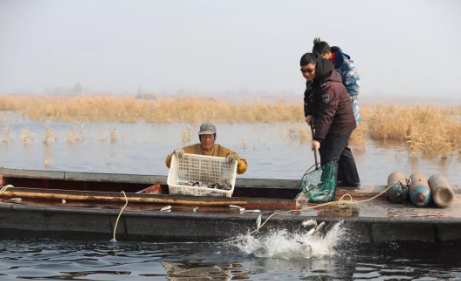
(165, 110)
(424, 130)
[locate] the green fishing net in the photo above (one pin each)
(319, 184)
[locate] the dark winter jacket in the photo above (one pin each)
(327, 100)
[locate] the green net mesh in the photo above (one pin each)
(319, 184)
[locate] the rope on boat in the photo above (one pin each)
(116, 222)
(333, 203)
(5, 188)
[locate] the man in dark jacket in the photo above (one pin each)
(328, 107)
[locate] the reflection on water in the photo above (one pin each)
(92, 260)
(189, 270)
(272, 150)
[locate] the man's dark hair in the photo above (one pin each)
(320, 47)
(308, 58)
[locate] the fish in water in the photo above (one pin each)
(319, 230)
(195, 209)
(258, 222)
(166, 208)
(313, 229)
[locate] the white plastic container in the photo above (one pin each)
(200, 168)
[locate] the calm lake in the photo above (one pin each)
(272, 151)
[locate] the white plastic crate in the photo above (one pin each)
(200, 168)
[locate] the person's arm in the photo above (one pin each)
(307, 100)
(327, 106)
(168, 160)
(241, 166)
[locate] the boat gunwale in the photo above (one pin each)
(229, 217)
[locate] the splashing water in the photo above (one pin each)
(282, 244)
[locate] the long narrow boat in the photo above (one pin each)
(59, 204)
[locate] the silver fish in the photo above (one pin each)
(319, 230)
(166, 208)
(252, 211)
(309, 223)
(258, 222)
(195, 209)
(234, 207)
(241, 210)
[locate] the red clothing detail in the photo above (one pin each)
(333, 56)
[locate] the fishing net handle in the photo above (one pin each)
(317, 163)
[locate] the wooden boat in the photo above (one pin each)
(92, 203)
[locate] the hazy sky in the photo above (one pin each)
(401, 48)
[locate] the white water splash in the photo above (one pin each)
(284, 245)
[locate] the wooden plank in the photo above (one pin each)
(205, 201)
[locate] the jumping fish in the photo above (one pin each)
(319, 230)
(258, 222)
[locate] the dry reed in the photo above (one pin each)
(186, 136)
(75, 134)
(425, 130)
(50, 137)
(25, 136)
(298, 133)
(113, 135)
(165, 110)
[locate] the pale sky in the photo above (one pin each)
(401, 48)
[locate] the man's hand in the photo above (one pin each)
(179, 152)
(231, 158)
(310, 120)
(315, 145)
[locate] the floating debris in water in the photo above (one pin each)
(195, 209)
(166, 208)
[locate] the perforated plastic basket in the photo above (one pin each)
(200, 168)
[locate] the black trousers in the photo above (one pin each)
(334, 149)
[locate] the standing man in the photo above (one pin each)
(351, 80)
(327, 105)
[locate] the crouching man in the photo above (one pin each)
(207, 146)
